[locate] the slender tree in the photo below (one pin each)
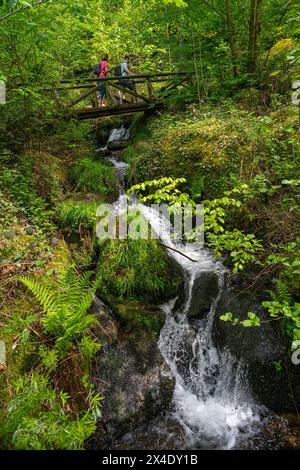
(253, 35)
(231, 37)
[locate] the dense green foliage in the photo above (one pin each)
(41, 416)
(65, 303)
(240, 167)
(37, 418)
(76, 214)
(213, 39)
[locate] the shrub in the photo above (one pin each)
(38, 418)
(18, 187)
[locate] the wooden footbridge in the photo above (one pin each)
(147, 94)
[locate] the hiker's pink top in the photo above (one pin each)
(103, 72)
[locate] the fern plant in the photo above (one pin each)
(65, 302)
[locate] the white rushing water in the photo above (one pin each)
(211, 399)
(119, 134)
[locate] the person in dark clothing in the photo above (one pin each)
(125, 82)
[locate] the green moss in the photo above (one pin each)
(94, 176)
(75, 214)
(19, 190)
(134, 314)
(50, 175)
(213, 148)
(137, 268)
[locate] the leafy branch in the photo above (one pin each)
(25, 7)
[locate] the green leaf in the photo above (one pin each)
(278, 365)
(12, 4)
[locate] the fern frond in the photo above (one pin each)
(282, 292)
(65, 303)
(43, 292)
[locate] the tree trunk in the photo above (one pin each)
(253, 34)
(231, 37)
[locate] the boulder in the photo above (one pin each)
(259, 348)
(204, 292)
(114, 145)
(131, 375)
(159, 395)
(103, 152)
(118, 139)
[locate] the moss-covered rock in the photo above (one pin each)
(135, 316)
(137, 268)
(260, 348)
(212, 149)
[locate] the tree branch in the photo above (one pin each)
(212, 6)
(23, 9)
(177, 251)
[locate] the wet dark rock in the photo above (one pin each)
(205, 290)
(279, 432)
(292, 431)
(107, 329)
(132, 376)
(29, 230)
(118, 139)
(259, 348)
(271, 436)
(103, 152)
(161, 433)
(54, 241)
(117, 145)
(159, 395)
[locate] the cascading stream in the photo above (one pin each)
(211, 399)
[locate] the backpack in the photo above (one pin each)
(97, 68)
(118, 71)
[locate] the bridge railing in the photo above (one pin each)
(145, 90)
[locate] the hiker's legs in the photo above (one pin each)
(132, 87)
(102, 93)
(121, 96)
(134, 90)
(123, 84)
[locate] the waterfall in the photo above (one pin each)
(121, 168)
(211, 400)
(119, 134)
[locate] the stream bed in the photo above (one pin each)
(212, 405)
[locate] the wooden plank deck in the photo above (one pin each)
(93, 113)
